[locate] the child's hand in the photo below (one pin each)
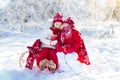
(53, 37)
(64, 49)
(53, 42)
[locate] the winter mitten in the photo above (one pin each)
(52, 66)
(53, 42)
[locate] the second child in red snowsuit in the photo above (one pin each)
(71, 41)
(45, 57)
(56, 28)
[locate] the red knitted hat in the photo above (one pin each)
(69, 21)
(58, 18)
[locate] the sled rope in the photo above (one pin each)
(21, 61)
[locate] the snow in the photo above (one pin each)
(3, 3)
(102, 39)
(103, 54)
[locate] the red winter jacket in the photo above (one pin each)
(71, 41)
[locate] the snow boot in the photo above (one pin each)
(52, 66)
(43, 64)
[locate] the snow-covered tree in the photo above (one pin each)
(21, 14)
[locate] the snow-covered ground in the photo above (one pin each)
(102, 39)
(103, 47)
(3, 3)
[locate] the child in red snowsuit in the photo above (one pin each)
(70, 41)
(56, 28)
(55, 38)
(45, 57)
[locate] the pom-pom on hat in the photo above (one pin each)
(58, 18)
(69, 21)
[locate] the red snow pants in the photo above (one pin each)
(49, 54)
(35, 52)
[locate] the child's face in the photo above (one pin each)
(58, 25)
(65, 25)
